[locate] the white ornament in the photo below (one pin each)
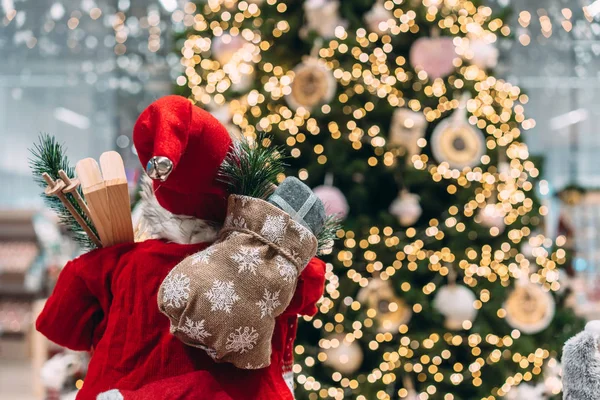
(313, 85)
(492, 216)
(222, 296)
(456, 142)
(434, 55)
(483, 54)
(406, 129)
(406, 208)
(176, 290)
(379, 19)
(525, 391)
(287, 270)
(322, 16)
(455, 302)
(225, 47)
(343, 356)
(529, 308)
(195, 329)
(248, 259)
(268, 303)
(242, 340)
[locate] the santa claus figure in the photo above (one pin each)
(105, 301)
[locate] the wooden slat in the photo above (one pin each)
(96, 196)
(115, 181)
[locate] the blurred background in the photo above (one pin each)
(83, 70)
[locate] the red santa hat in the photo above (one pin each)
(182, 147)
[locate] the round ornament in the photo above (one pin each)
(434, 55)
(406, 129)
(406, 208)
(322, 16)
(379, 18)
(342, 355)
(457, 142)
(529, 308)
(483, 54)
(333, 199)
(225, 46)
(312, 86)
(392, 311)
(526, 391)
(491, 216)
(455, 302)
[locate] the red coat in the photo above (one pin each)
(106, 301)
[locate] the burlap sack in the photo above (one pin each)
(225, 298)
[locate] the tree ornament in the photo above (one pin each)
(406, 208)
(333, 199)
(392, 311)
(529, 308)
(492, 216)
(456, 141)
(526, 391)
(434, 55)
(224, 47)
(455, 302)
(379, 19)
(312, 86)
(342, 355)
(482, 54)
(322, 16)
(406, 129)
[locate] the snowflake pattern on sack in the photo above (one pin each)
(195, 330)
(250, 366)
(242, 339)
(203, 257)
(176, 290)
(303, 233)
(239, 223)
(248, 259)
(274, 228)
(222, 296)
(268, 303)
(287, 270)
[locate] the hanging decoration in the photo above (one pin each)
(456, 141)
(392, 311)
(492, 216)
(456, 303)
(322, 17)
(342, 355)
(529, 308)
(406, 129)
(379, 19)
(434, 55)
(334, 200)
(312, 86)
(479, 52)
(406, 208)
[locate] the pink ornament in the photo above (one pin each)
(333, 199)
(434, 56)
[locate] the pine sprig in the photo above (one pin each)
(48, 156)
(328, 234)
(251, 168)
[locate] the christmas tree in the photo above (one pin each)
(443, 284)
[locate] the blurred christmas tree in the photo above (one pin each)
(443, 285)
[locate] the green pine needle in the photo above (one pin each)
(328, 234)
(251, 168)
(49, 156)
